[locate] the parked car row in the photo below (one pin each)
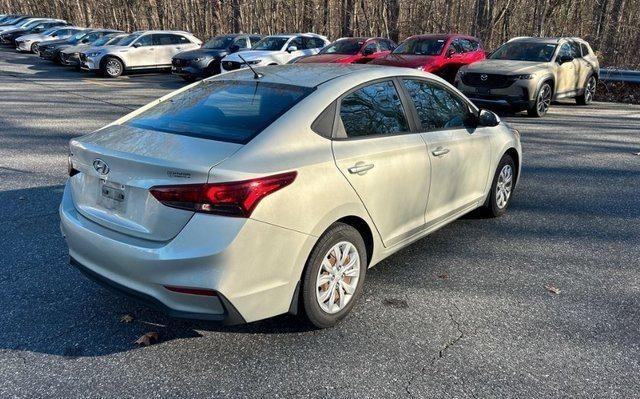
(525, 73)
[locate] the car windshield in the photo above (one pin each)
(525, 51)
(421, 46)
(350, 47)
(270, 43)
(219, 42)
(76, 37)
(115, 40)
(231, 111)
(103, 40)
(50, 30)
(129, 39)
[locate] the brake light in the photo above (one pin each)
(237, 199)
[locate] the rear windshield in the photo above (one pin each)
(232, 111)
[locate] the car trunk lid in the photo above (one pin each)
(119, 164)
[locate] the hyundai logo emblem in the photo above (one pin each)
(100, 166)
(484, 77)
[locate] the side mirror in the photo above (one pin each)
(291, 49)
(450, 53)
(564, 58)
(233, 48)
(488, 118)
(137, 44)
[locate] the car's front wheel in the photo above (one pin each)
(502, 187)
(34, 49)
(589, 92)
(112, 68)
(334, 275)
(542, 102)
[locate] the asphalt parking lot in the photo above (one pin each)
(461, 313)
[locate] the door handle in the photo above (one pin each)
(438, 152)
(360, 168)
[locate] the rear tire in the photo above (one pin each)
(589, 92)
(334, 275)
(542, 102)
(34, 49)
(502, 187)
(111, 67)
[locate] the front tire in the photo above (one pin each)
(34, 49)
(589, 92)
(334, 275)
(542, 102)
(112, 68)
(502, 187)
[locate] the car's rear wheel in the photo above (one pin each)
(502, 187)
(112, 68)
(542, 102)
(34, 48)
(589, 92)
(334, 275)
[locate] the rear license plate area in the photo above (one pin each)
(112, 195)
(483, 90)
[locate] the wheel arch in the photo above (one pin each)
(107, 56)
(513, 153)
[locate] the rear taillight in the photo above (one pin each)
(70, 169)
(237, 198)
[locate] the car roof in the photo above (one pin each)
(306, 75)
(441, 36)
(545, 40)
(163, 31)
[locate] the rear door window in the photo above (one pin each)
(375, 109)
(232, 111)
(146, 40)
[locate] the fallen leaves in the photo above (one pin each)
(126, 319)
(147, 339)
(552, 289)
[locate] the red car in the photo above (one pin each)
(352, 50)
(442, 55)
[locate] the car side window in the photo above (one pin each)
(568, 50)
(179, 39)
(370, 48)
(575, 49)
(375, 109)
(585, 49)
(241, 42)
(467, 47)
(457, 46)
(146, 40)
(437, 107)
(296, 42)
(254, 39)
(317, 42)
(163, 39)
(384, 45)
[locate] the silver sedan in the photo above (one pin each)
(257, 193)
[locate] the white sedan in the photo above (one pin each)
(246, 196)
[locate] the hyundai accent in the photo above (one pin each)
(260, 192)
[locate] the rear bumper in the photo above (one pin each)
(240, 259)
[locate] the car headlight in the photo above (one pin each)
(198, 59)
(254, 62)
(526, 76)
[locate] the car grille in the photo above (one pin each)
(488, 80)
(231, 65)
(83, 57)
(177, 62)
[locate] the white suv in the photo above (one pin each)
(140, 50)
(276, 50)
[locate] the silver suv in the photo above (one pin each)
(141, 50)
(528, 73)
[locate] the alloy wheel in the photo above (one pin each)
(35, 48)
(544, 100)
(337, 277)
(590, 90)
(113, 67)
(504, 186)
